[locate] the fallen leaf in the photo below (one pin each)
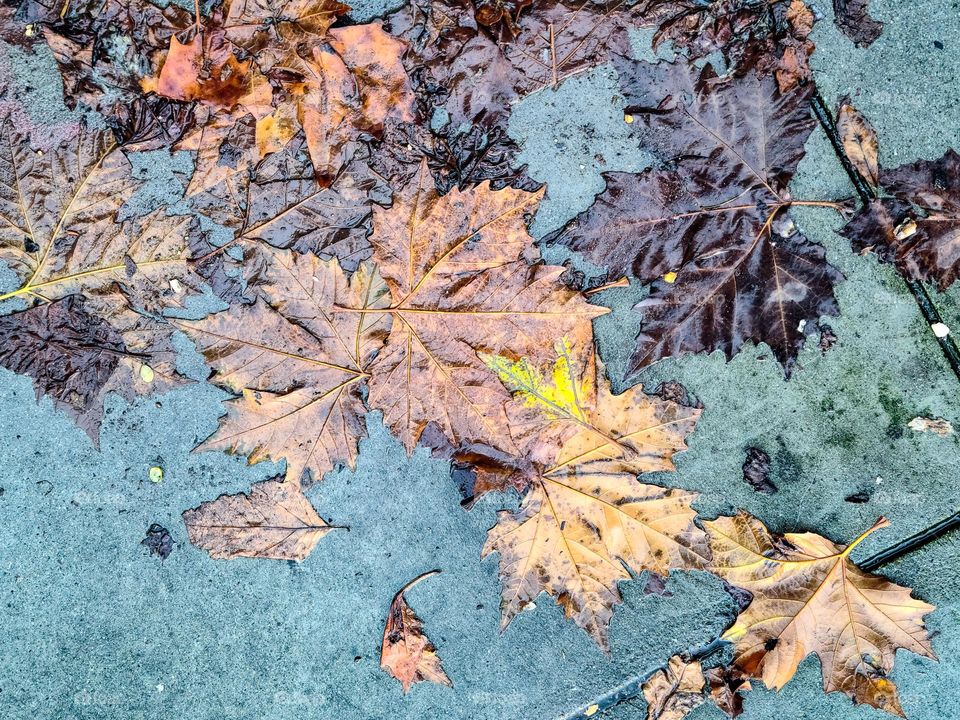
(202, 66)
(716, 215)
(296, 363)
(808, 597)
(756, 471)
(274, 521)
(675, 691)
(72, 356)
(407, 653)
(941, 427)
(859, 141)
(727, 686)
(460, 284)
(853, 19)
(158, 541)
(917, 228)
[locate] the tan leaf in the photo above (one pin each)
(274, 521)
(808, 597)
(296, 364)
(674, 691)
(407, 653)
(460, 285)
(859, 141)
(201, 65)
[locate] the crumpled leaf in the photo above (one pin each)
(853, 19)
(808, 597)
(407, 653)
(460, 284)
(275, 521)
(727, 686)
(710, 230)
(296, 364)
(675, 691)
(918, 228)
(859, 141)
(265, 25)
(585, 515)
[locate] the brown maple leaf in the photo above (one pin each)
(585, 515)
(710, 230)
(917, 228)
(275, 521)
(296, 363)
(808, 597)
(407, 653)
(459, 285)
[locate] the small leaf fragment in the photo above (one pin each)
(407, 653)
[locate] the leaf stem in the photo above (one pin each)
(417, 579)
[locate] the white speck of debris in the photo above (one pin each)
(583, 167)
(175, 285)
(879, 480)
(801, 326)
(940, 330)
(160, 687)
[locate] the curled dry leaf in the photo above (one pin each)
(938, 426)
(808, 597)
(460, 284)
(675, 691)
(296, 363)
(918, 227)
(407, 653)
(275, 521)
(727, 685)
(859, 141)
(710, 231)
(585, 516)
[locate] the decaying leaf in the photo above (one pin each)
(407, 653)
(853, 19)
(859, 141)
(918, 227)
(274, 521)
(727, 685)
(756, 471)
(296, 363)
(710, 231)
(460, 284)
(808, 597)
(674, 691)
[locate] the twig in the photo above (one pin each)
(553, 57)
(196, 15)
(867, 194)
(911, 543)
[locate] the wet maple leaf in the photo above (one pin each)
(710, 230)
(407, 653)
(475, 72)
(460, 284)
(296, 364)
(71, 355)
(585, 514)
(808, 597)
(265, 25)
(63, 230)
(917, 228)
(274, 521)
